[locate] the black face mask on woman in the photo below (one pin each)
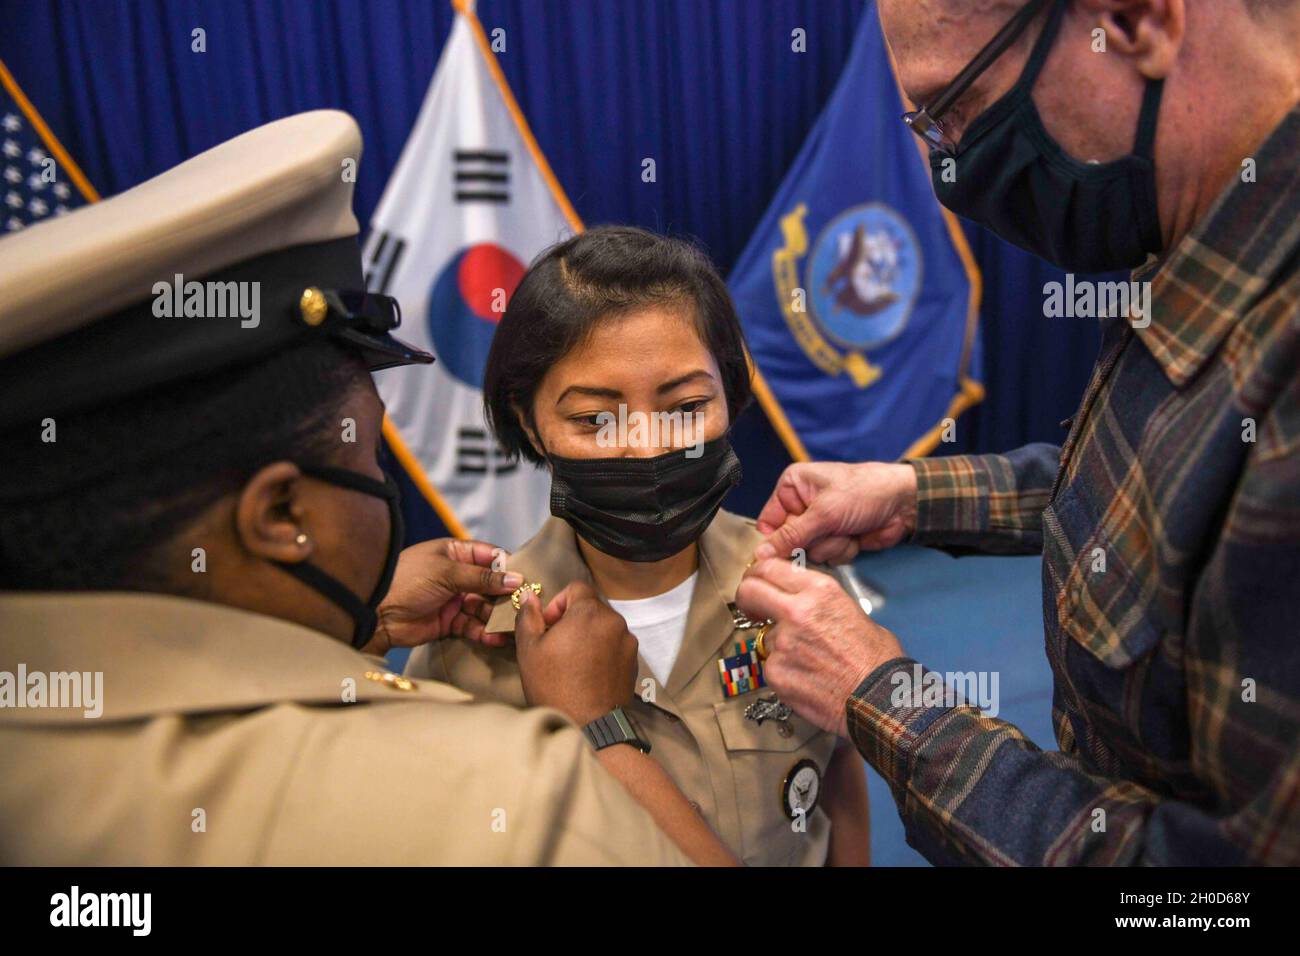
(643, 509)
(1012, 177)
(362, 612)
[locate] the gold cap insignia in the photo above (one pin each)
(313, 306)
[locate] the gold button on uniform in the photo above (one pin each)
(395, 681)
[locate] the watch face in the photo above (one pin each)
(802, 786)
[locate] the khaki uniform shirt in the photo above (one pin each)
(732, 769)
(227, 737)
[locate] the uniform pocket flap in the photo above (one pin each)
(741, 733)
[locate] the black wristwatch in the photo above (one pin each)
(616, 727)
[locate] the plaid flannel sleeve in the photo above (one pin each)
(971, 789)
(991, 504)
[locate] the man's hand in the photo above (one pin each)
(832, 510)
(437, 592)
(577, 655)
(822, 644)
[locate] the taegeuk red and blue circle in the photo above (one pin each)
(465, 304)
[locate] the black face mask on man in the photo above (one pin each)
(643, 509)
(363, 613)
(1014, 178)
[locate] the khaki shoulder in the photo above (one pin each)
(487, 673)
(459, 784)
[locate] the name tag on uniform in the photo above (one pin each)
(742, 672)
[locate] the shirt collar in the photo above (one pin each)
(552, 559)
(1229, 260)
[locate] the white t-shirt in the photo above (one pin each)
(659, 624)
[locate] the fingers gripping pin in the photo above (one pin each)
(518, 592)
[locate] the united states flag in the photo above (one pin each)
(34, 184)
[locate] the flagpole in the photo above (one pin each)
(466, 9)
(407, 460)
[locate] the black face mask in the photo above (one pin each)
(1012, 177)
(362, 612)
(643, 509)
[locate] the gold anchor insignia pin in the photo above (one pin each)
(534, 586)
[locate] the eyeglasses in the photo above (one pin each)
(925, 122)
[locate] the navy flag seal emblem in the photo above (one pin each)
(862, 276)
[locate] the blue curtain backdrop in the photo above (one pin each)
(709, 88)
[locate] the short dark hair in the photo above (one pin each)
(601, 273)
(90, 510)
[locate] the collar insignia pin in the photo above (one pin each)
(531, 585)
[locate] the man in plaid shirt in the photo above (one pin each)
(1169, 523)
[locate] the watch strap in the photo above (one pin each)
(614, 728)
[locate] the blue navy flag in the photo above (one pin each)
(37, 178)
(857, 292)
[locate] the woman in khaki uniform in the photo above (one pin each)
(195, 575)
(620, 365)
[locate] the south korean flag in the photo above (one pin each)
(472, 200)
